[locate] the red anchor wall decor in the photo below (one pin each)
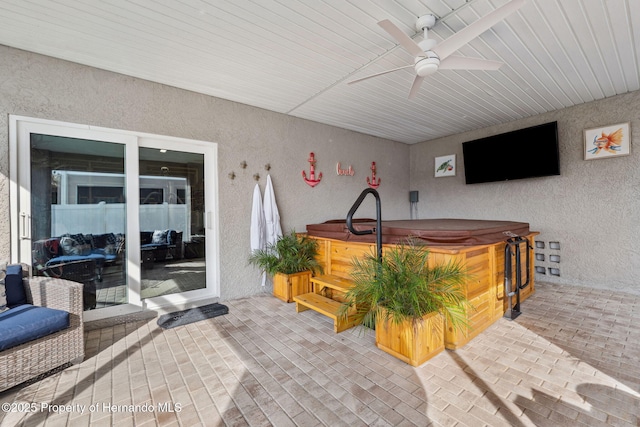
(372, 181)
(312, 181)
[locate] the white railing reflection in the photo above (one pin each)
(111, 218)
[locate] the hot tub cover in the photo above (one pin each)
(435, 232)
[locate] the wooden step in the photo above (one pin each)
(330, 281)
(325, 306)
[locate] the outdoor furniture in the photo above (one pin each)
(22, 362)
(163, 243)
(147, 258)
(104, 249)
(82, 271)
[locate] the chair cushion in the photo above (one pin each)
(75, 244)
(160, 237)
(16, 294)
(146, 237)
(3, 297)
(103, 244)
(44, 250)
(26, 322)
(70, 258)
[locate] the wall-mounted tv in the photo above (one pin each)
(524, 153)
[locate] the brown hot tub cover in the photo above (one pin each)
(435, 232)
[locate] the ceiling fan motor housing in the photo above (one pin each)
(425, 21)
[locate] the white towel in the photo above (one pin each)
(271, 214)
(258, 228)
(257, 221)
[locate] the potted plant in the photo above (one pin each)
(406, 297)
(291, 261)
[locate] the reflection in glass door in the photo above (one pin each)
(78, 212)
(172, 229)
(125, 214)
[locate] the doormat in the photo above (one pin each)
(184, 317)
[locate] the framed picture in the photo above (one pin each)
(445, 166)
(607, 141)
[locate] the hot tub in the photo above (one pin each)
(477, 244)
(433, 232)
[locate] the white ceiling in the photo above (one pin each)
(296, 56)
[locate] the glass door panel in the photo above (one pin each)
(78, 215)
(172, 229)
(70, 218)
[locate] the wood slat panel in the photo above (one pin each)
(484, 290)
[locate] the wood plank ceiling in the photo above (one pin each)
(296, 56)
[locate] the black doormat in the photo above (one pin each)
(184, 317)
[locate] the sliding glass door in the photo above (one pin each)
(128, 216)
(172, 229)
(78, 215)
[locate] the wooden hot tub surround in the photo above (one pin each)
(484, 290)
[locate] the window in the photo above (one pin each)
(94, 195)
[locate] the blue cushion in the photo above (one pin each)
(103, 252)
(70, 258)
(27, 322)
(16, 294)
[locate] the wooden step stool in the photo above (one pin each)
(328, 305)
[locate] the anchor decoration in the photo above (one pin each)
(312, 181)
(372, 182)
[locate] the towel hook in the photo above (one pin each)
(256, 177)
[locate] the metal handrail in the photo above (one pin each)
(378, 228)
(509, 291)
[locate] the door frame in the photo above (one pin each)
(20, 127)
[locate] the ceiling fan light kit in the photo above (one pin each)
(429, 55)
(427, 65)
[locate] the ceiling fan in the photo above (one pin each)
(430, 56)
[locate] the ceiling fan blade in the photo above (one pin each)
(415, 87)
(464, 36)
(404, 40)
(462, 63)
(380, 74)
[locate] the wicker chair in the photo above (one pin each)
(26, 361)
(77, 271)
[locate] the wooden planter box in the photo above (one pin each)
(287, 286)
(412, 344)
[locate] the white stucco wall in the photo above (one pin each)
(42, 87)
(591, 209)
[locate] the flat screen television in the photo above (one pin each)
(525, 153)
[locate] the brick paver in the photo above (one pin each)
(571, 358)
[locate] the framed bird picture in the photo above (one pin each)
(445, 166)
(606, 142)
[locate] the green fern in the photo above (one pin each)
(291, 253)
(402, 287)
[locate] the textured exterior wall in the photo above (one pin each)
(41, 87)
(591, 209)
